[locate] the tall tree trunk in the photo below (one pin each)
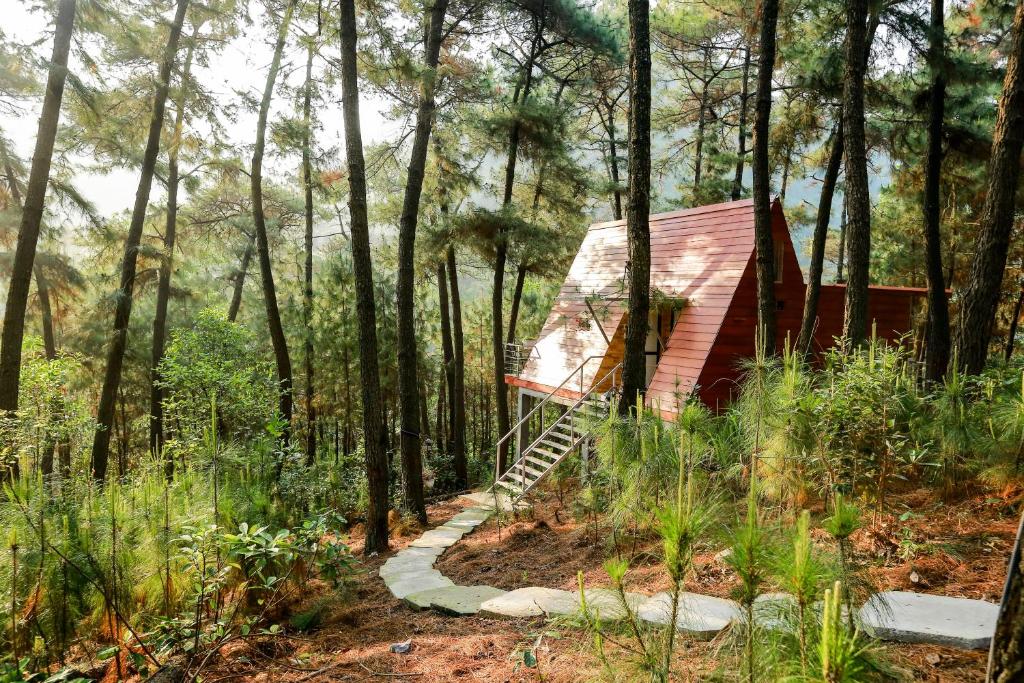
(440, 427)
(741, 142)
(613, 164)
(981, 293)
(1014, 323)
(765, 246)
(408, 383)
(277, 336)
(858, 229)
(375, 440)
(57, 406)
(46, 315)
(129, 262)
(1005, 658)
(638, 205)
(458, 394)
(937, 348)
(702, 120)
(447, 346)
(813, 293)
(31, 219)
(163, 292)
(307, 292)
(841, 258)
(517, 297)
(239, 280)
(501, 258)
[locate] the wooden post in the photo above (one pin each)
(522, 437)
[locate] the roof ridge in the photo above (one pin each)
(679, 213)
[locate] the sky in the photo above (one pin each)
(241, 67)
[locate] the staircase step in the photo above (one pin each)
(556, 446)
(548, 454)
(531, 472)
(542, 464)
(559, 434)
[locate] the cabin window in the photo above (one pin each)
(779, 250)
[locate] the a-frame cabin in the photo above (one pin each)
(703, 322)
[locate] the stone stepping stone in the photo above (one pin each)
(410, 551)
(407, 573)
(933, 619)
(605, 604)
(700, 616)
(466, 525)
(474, 515)
(420, 565)
(406, 584)
(456, 601)
(441, 537)
(530, 602)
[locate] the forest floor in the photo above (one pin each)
(958, 549)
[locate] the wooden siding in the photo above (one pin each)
(709, 343)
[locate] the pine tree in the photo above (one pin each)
(981, 292)
(638, 205)
(123, 310)
(374, 437)
(408, 384)
(32, 216)
(858, 229)
(937, 342)
(764, 244)
(277, 336)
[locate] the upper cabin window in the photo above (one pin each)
(779, 250)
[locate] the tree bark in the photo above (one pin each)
(937, 347)
(277, 336)
(1005, 658)
(981, 294)
(458, 395)
(741, 142)
(375, 440)
(447, 346)
(1014, 323)
(307, 292)
(638, 205)
(702, 117)
(613, 164)
(239, 281)
(764, 243)
(813, 293)
(163, 292)
(858, 229)
(501, 258)
(841, 258)
(517, 297)
(31, 219)
(129, 262)
(57, 406)
(408, 383)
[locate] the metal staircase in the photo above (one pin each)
(559, 440)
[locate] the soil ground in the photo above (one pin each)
(956, 549)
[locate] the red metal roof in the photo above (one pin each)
(699, 254)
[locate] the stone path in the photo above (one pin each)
(890, 615)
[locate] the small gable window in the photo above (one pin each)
(779, 250)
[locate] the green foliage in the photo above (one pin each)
(216, 360)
